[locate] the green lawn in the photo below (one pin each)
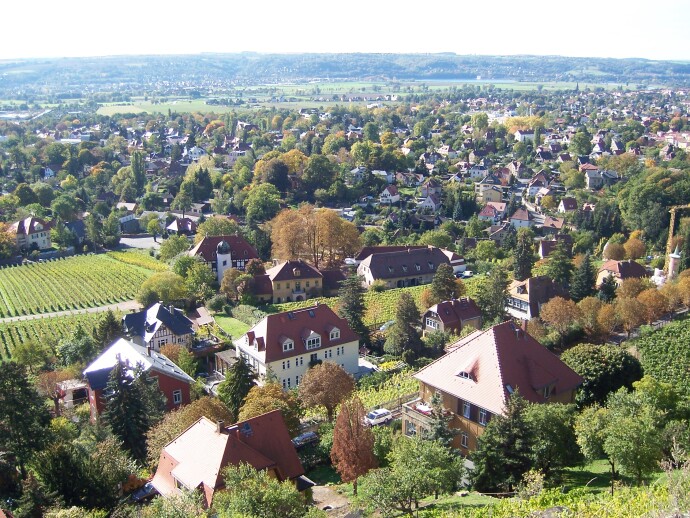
(231, 325)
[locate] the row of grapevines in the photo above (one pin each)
(65, 284)
(138, 258)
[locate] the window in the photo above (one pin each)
(296, 381)
(465, 375)
(335, 334)
(284, 384)
(288, 364)
(419, 268)
(288, 345)
(177, 397)
(307, 284)
(464, 439)
(482, 416)
(431, 265)
(316, 283)
(466, 409)
(287, 285)
(277, 285)
(548, 390)
(313, 357)
(433, 324)
(288, 383)
(225, 263)
(410, 428)
(337, 351)
(313, 343)
(404, 267)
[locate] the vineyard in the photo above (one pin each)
(665, 355)
(45, 330)
(138, 258)
(380, 306)
(64, 284)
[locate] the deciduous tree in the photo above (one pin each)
(631, 313)
(634, 248)
(654, 303)
(216, 226)
(166, 287)
(173, 246)
(353, 443)
(560, 314)
(559, 266)
(491, 294)
(327, 385)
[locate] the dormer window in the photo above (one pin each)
(465, 375)
(296, 272)
(404, 266)
(418, 266)
(547, 391)
(335, 334)
(431, 265)
(313, 342)
(390, 269)
(288, 345)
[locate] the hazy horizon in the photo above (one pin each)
(590, 28)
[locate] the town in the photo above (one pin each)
(465, 300)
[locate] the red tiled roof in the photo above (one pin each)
(569, 203)
(271, 331)
(496, 359)
(521, 215)
(28, 226)
(291, 270)
(624, 269)
(198, 455)
(453, 312)
(239, 248)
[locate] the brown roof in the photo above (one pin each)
(273, 330)
(291, 270)
(624, 269)
(453, 312)
(368, 250)
(405, 263)
(263, 285)
(332, 279)
(550, 222)
(239, 248)
(569, 203)
(536, 291)
(198, 455)
(28, 226)
(521, 215)
(499, 361)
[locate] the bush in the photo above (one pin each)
(216, 303)
(247, 314)
(377, 286)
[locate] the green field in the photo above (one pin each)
(64, 284)
(46, 330)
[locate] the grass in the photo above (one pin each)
(231, 325)
(454, 504)
(323, 475)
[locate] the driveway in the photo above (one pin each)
(145, 242)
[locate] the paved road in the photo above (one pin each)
(125, 306)
(144, 242)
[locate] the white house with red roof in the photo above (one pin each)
(224, 252)
(287, 343)
(521, 218)
(390, 195)
(31, 231)
(478, 375)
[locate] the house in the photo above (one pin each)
(567, 204)
(499, 233)
(552, 225)
(196, 458)
(78, 228)
(490, 213)
(411, 267)
(159, 325)
(289, 281)
(31, 233)
(389, 195)
(479, 374)
(546, 246)
(521, 218)
(489, 193)
(457, 262)
(452, 316)
(525, 298)
(182, 227)
(477, 171)
(524, 136)
(366, 251)
(431, 203)
(621, 270)
(173, 382)
(430, 186)
(288, 343)
(224, 252)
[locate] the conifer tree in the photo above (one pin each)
(351, 308)
(607, 290)
(238, 382)
(108, 329)
(439, 427)
(560, 266)
(524, 254)
(403, 336)
(443, 286)
(584, 279)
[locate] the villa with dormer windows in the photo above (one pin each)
(288, 343)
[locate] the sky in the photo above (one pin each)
(586, 28)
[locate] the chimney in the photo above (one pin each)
(220, 425)
(171, 308)
(148, 349)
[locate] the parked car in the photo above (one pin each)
(145, 492)
(305, 438)
(467, 274)
(378, 416)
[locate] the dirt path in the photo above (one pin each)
(327, 498)
(125, 307)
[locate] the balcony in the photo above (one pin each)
(417, 410)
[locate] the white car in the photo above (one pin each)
(378, 416)
(467, 274)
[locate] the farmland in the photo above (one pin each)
(42, 330)
(66, 284)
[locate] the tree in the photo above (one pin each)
(634, 248)
(25, 194)
(184, 504)
(271, 396)
(165, 287)
(352, 453)
(257, 494)
(327, 385)
(417, 469)
(491, 294)
(655, 304)
(173, 246)
(607, 289)
(632, 287)
(554, 443)
(200, 281)
(614, 251)
(319, 173)
(239, 380)
(443, 286)
(605, 369)
(255, 267)
(580, 144)
(439, 429)
(77, 347)
(153, 227)
(262, 203)
(47, 386)
(7, 242)
(94, 230)
(559, 266)
(523, 256)
(631, 313)
(216, 226)
(504, 450)
(108, 328)
(403, 336)
(584, 280)
(589, 310)
(132, 406)
(351, 306)
(560, 314)
(24, 418)
(183, 202)
(31, 353)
